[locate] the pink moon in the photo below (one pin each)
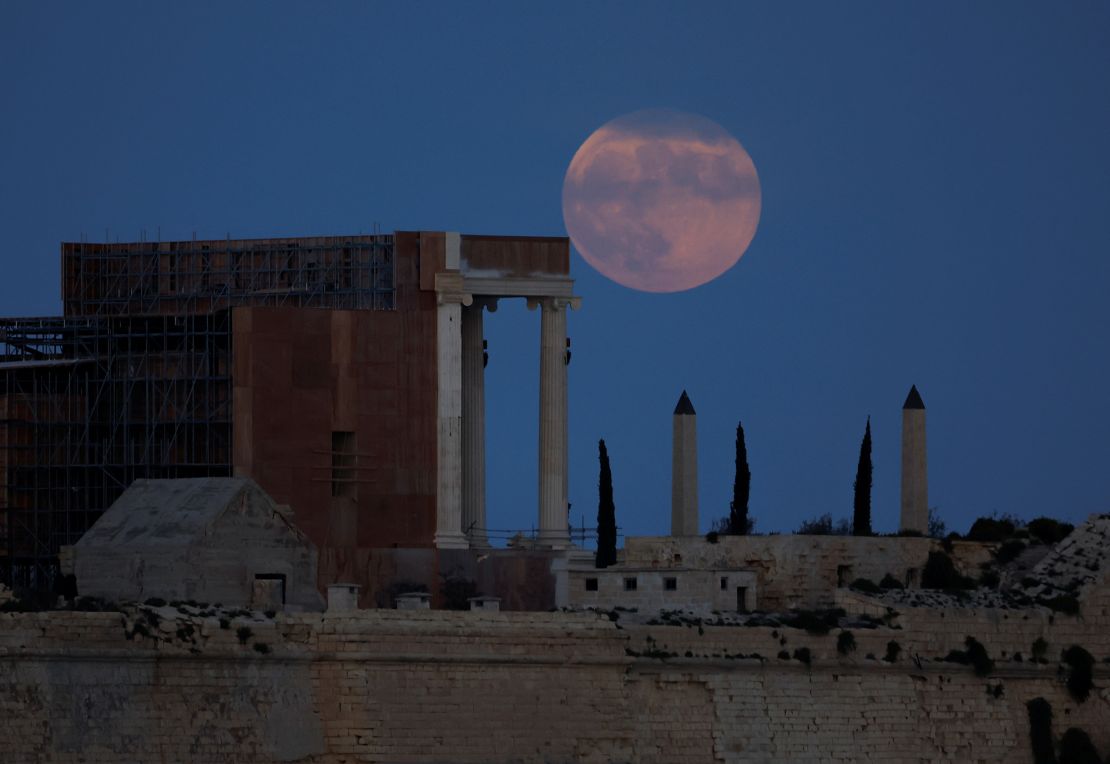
(661, 200)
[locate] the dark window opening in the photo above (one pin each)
(741, 599)
(591, 584)
(630, 584)
(724, 583)
(273, 577)
(843, 575)
(670, 584)
(343, 462)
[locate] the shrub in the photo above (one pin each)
(784, 655)
(991, 529)
(244, 634)
(1009, 551)
(262, 647)
(155, 602)
(1048, 530)
(1076, 748)
(225, 624)
(711, 537)
(1082, 664)
(816, 622)
(845, 642)
(1040, 731)
(977, 655)
(866, 585)
(1040, 649)
(457, 592)
(989, 579)
(802, 654)
(270, 614)
(893, 650)
(941, 573)
(890, 582)
(1062, 603)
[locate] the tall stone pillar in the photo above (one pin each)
(684, 469)
(450, 299)
(915, 483)
(474, 424)
(553, 421)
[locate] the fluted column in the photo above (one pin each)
(450, 298)
(474, 423)
(553, 421)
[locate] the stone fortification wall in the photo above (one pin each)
(803, 571)
(438, 686)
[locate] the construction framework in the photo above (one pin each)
(135, 381)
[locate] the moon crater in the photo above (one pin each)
(661, 201)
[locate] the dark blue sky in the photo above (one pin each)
(936, 210)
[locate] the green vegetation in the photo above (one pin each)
(866, 585)
(155, 602)
(893, 650)
(1062, 603)
(606, 512)
(1076, 748)
(845, 643)
(738, 522)
(1009, 551)
(802, 654)
(995, 528)
(816, 622)
(1080, 680)
(940, 573)
(890, 582)
(1040, 649)
(244, 634)
(978, 656)
(861, 499)
(1040, 731)
(823, 526)
(262, 648)
(1049, 531)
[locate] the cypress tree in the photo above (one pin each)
(738, 523)
(861, 517)
(606, 513)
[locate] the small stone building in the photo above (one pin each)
(205, 539)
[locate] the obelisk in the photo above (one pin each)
(915, 481)
(684, 469)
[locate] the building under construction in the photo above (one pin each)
(332, 370)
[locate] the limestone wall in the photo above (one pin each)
(803, 571)
(437, 686)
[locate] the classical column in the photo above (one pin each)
(915, 480)
(684, 469)
(450, 298)
(553, 421)
(474, 424)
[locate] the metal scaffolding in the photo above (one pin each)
(135, 382)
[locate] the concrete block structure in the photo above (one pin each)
(343, 374)
(207, 539)
(915, 476)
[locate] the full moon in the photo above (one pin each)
(661, 200)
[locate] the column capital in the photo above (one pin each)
(554, 302)
(482, 301)
(449, 289)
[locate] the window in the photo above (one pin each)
(591, 584)
(630, 584)
(724, 583)
(343, 459)
(670, 584)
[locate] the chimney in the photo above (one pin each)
(684, 470)
(915, 482)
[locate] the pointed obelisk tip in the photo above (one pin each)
(684, 407)
(913, 400)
